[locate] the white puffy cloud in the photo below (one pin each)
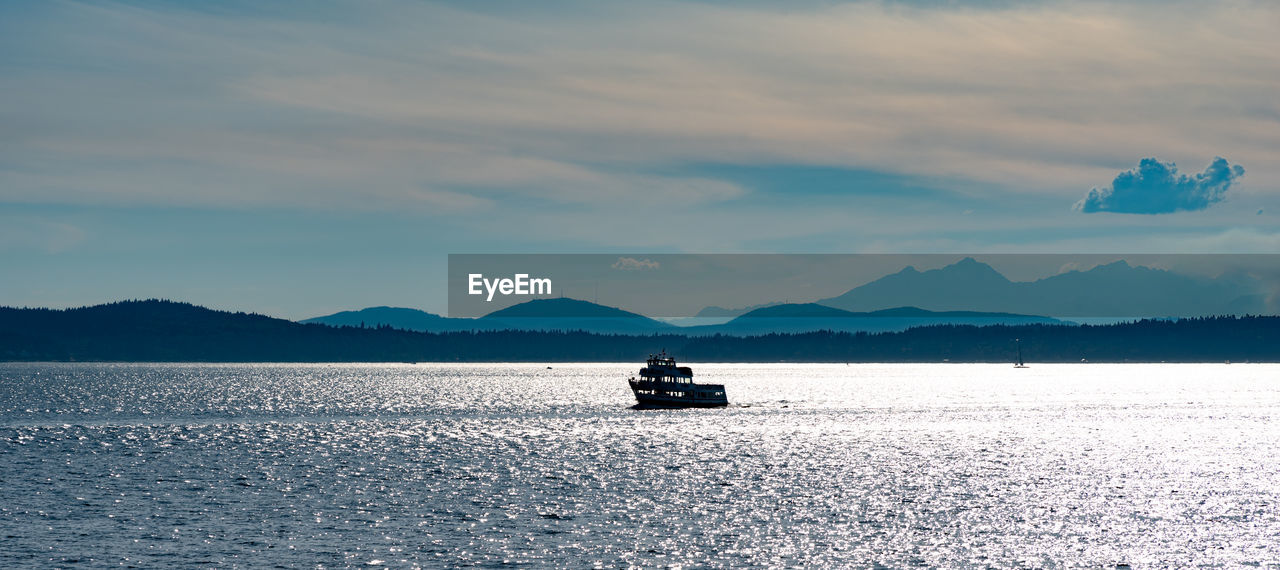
(1156, 187)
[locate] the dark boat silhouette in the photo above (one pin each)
(663, 384)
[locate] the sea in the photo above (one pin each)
(548, 465)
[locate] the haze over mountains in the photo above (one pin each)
(535, 315)
(967, 292)
(806, 317)
(1112, 290)
(572, 314)
(395, 317)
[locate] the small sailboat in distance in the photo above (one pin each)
(1019, 363)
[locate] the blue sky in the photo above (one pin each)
(303, 158)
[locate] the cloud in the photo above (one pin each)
(633, 264)
(1155, 187)
(587, 107)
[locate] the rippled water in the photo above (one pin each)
(820, 465)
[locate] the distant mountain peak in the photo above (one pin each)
(395, 317)
(1114, 289)
(562, 307)
(1119, 265)
(972, 266)
(717, 311)
(796, 310)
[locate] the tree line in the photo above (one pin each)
(167, 331)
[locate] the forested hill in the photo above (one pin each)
(168, 331)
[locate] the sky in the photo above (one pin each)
(301, 158)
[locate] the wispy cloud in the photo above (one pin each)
(1156, 187)
(633, 264)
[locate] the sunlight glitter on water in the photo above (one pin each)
(935, 465)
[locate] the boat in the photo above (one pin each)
(1019, 363)
(663, 384)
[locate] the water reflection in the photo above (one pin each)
(822, 465)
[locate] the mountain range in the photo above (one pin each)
(967, 292)
(1112, 290)
(806, 317)
(572, 314)
(166, 331)
(536, 315)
